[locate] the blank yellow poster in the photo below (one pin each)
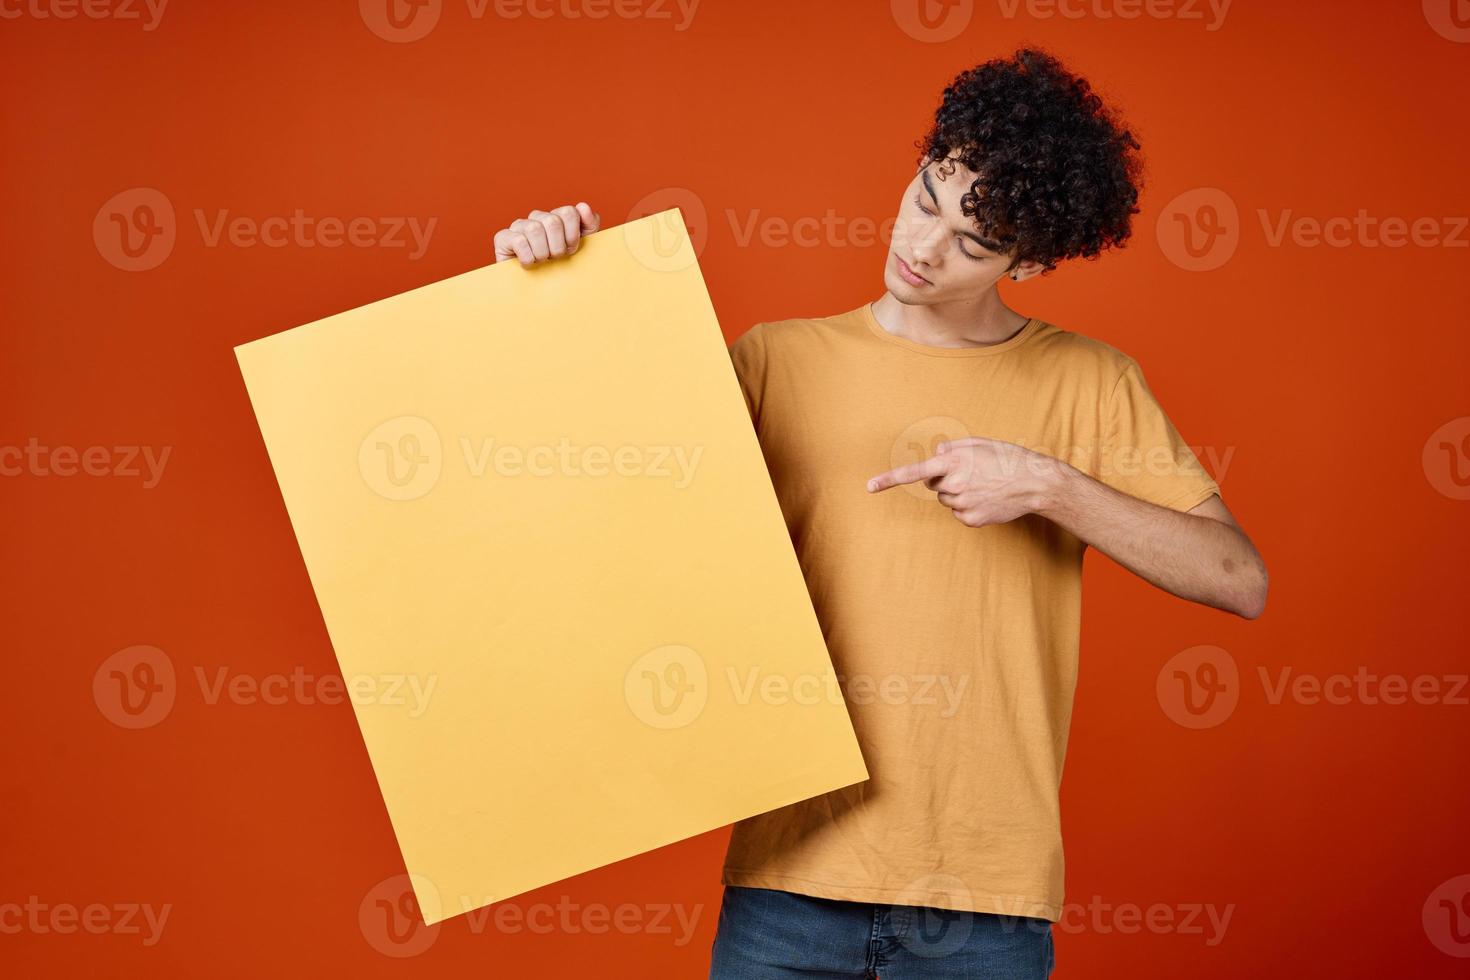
(553, 569)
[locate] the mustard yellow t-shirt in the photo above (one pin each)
(956, 646)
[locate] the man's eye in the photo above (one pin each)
(919, 202)
(972, 258)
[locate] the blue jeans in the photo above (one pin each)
(767, 935)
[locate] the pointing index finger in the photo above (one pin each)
(912, 473)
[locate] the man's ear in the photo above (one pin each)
(1025, 269)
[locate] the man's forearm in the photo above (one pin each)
(1194, 557)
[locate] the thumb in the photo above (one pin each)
(591, 220)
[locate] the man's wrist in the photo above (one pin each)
(1056, 483)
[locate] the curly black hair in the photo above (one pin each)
(1058, 172)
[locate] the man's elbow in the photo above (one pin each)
(1251, 602)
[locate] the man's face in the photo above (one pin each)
(938, 255)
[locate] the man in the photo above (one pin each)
(943, 462)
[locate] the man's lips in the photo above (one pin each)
(909, 275)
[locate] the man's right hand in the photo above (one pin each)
(545, 235)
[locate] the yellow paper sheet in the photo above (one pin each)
(552, 566)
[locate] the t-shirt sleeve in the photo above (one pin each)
(748, 354)
(1143, 454)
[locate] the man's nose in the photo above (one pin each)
(925, 245)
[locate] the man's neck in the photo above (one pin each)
(981, 323)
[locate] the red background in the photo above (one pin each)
(1317, 373)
